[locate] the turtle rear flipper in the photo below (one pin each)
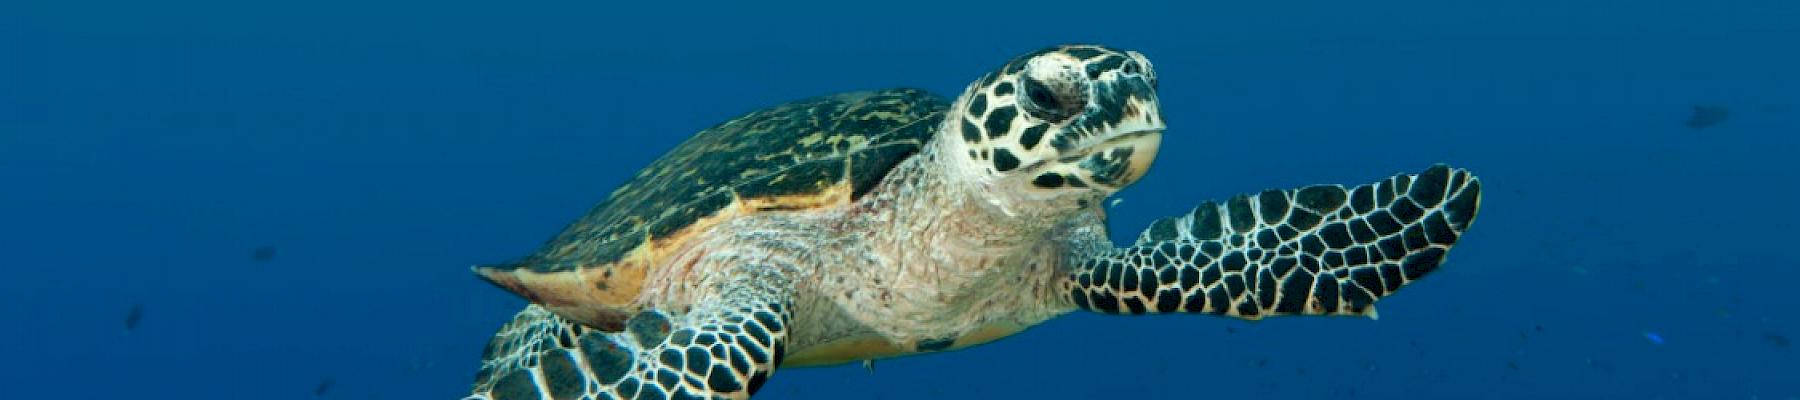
(725, 347)
(1316, 250)
(578, 294)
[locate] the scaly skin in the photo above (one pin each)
(923, 258)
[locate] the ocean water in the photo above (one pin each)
(280, 200)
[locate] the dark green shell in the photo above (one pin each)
(793, 149)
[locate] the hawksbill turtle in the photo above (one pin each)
(876, 224)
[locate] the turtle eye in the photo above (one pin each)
(1047, 104)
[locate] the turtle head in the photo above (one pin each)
(1064, 125)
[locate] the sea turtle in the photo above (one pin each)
(876, 224)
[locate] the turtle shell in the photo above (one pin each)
(811, 153)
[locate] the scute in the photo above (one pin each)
(804, 154)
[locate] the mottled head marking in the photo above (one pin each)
(1067, 119)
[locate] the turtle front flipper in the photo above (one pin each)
(723, 348)
(1316, 250)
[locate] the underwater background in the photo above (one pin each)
(281, 199)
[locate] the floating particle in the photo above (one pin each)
(1230, 330)
(1776, 339)
(1598, 365)
(324, 386)
(1514, 365)
(134, 316)
(1539, 328)
(1654, 338)
(1706, 116)
(263, 254)
(417, 364)
(1260, 362)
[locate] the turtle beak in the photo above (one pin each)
(1123, 133)
(1121, 160)
(1110, 146)
(1089, 173)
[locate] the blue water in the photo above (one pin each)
(148, 149)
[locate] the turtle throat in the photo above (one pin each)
(944, 246)
(972, 213)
